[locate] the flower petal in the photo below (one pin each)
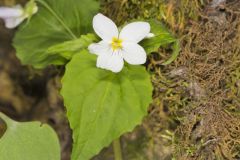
(13, 22)
(105, 27)
(150, 35)
(6, 12)
(133, 53)
(135, 32)
(110, 61)
(99, 48)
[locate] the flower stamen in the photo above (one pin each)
(116, 43)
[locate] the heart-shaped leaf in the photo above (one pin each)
(56, 21)
(28, 141)
(102, 105)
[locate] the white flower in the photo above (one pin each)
(13, 16)
(116, 46)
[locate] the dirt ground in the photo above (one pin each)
(195, 114)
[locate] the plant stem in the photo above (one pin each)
(58, 18)
(117, 149)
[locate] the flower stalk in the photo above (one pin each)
(117, 149)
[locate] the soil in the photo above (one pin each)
(195, 114)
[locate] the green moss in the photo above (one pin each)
(175, 13)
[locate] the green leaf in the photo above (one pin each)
(28, 141)
(69, 48)
(102, 105)
(57, 21)
(162, 37)
(176, 51)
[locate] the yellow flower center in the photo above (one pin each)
(116, 43)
